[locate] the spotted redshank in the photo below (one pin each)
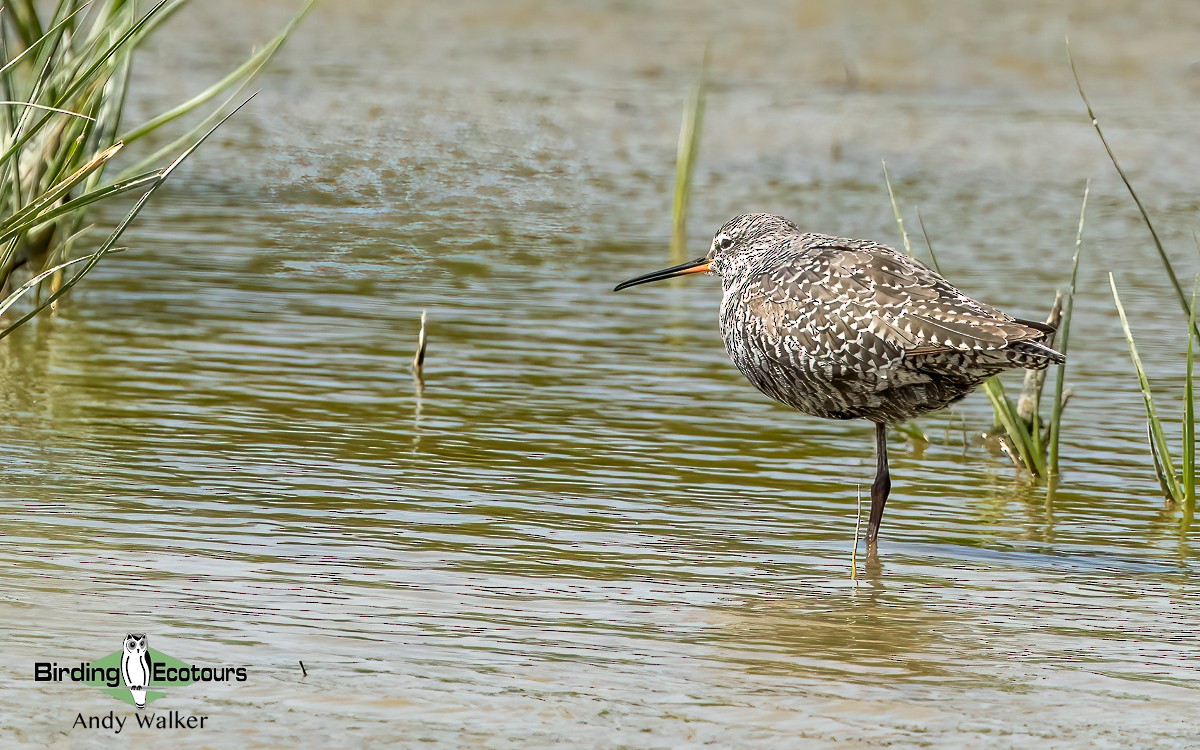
(852, 329)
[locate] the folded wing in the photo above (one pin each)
(863, 304)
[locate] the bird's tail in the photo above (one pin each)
(1032, 354)
(1036, 353)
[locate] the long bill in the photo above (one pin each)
(699, 265)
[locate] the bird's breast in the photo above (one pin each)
(761, 336)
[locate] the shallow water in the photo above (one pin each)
(588, 530)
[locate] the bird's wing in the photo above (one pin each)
(870, 302)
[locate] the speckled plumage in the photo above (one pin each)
(844, 329)
(851, 329)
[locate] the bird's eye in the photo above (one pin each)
(725, 243)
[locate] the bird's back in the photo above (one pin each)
(844, 328)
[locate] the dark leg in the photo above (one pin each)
(880, 487)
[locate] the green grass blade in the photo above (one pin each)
(1063, 340)
(168, 10)
(249, 69)
(1036, 446)
(928, 243)
(22, 290)
(896, 211)
(1162, 253)
(111, 107)
(685, 162)
(1158, 441)
(1189, 427)
(46, 108)
(179, 159)
(99, 194)
(1162, 472)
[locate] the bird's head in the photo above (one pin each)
(743, 245)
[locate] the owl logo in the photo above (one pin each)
(135, 667)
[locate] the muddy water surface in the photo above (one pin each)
(589, 531)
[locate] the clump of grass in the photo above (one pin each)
(1178, 482)
(685, 163)
(64, 83)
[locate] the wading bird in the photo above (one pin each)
(851, 329)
